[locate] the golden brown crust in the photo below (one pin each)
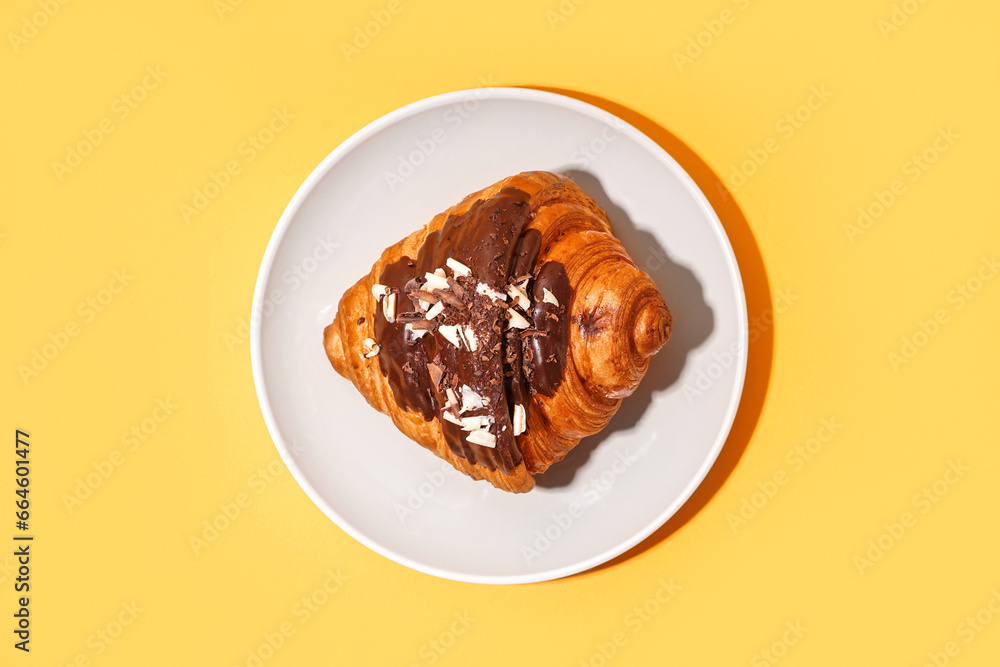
(617, 321)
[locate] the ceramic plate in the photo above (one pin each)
(398, 499)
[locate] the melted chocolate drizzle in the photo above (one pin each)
(508, 363)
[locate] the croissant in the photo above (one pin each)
(504, 331)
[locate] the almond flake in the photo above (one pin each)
(517, 320)
(469, 336)
(389, 307)
(450, 334)
(483, 288)
(471, 423)
(549, 297)
(457, 267)
(379, 290)
(518, 296)
(483, 438)
(520, 419)
(416, 333)
(471, 400)
(435, 310)
(435, 281)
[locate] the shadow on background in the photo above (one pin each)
(758, 296)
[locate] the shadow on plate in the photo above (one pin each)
(758, 296)
(685, 298)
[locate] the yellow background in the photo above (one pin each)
(175, 332)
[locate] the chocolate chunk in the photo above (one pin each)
(448, 297)
(436, 373)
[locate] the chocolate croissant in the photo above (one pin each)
(504, 331)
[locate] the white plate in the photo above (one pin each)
(400, 500)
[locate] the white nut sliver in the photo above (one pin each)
(452, 398)
(481, 437)
(389, 307)
(450, 334)
(435, 281)
(451, 418)
(469, 336)
(520, 419)
(471, 423)
(416, 333)
(439, 272)
(457, 267)
(471, 400)
(379, 290)
(435, 310)
(518, 296)
(549, 297)
(424, 305)
(476, 423)
(517, 320)
(483, 288)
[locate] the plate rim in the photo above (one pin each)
(345, 148)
